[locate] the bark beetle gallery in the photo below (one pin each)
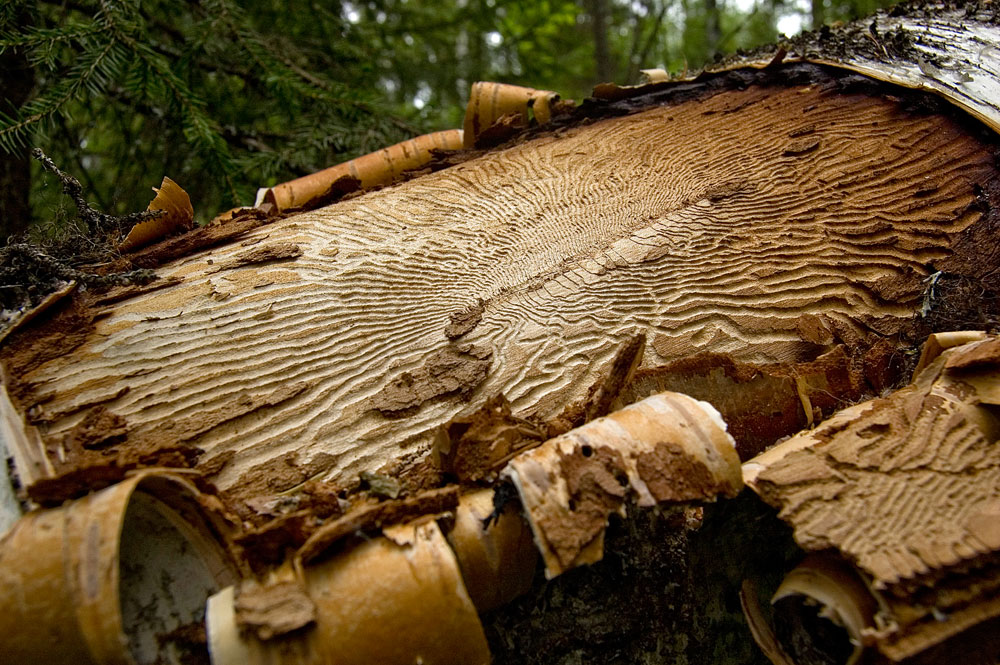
(696, 371)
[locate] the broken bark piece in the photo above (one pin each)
(201, 238)
(666, 448)
(448, 371)
(605, 391)
(904, 487)
(392, 602)
(938, 342)
(97, 580)
(269, 544)
(474, 448)
(98, 429)
(497, 556)
(464, 321)
(375, 516)
(178, 215)
(91, 470)
(31, 314)
(273, 608)
(975, 354)
(759, 402)
(623, 367)
(280, 251)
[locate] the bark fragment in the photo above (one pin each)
(759, 402)
(279, 251)
(98, 429)
(465, 320)
(571, 484)
(374, 516)
(474, 448)
(448, 371)
(904, 487)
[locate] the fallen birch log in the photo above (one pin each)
(766, 224)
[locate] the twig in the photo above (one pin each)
(95, 220)
(32, 255)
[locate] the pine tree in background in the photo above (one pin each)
(129, 91)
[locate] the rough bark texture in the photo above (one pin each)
(905, 487)
(948, 48)
(728, 223)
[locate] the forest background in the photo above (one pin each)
(225, 97)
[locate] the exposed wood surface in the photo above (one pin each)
(717, 225)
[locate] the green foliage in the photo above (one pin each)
(129, 91)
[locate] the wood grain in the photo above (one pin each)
(714, 225)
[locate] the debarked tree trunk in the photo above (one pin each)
(746, 228)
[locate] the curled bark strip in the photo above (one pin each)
(489, 103)
(389, 600)
(824, 606)
(666, 448)
(105, 578)
(377, 168)
(497, 557)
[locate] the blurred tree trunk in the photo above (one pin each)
(603, 66)
(16, 80)
(711, 28)
(818, 14)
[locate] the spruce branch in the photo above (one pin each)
(96, 221)
(17, 258)
(41, 43)
(99, 64)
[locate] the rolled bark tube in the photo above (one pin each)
(107, 579)
(489, 101)
(823, 606)
(666, 448)
(497, 561)
(377, 168)
(393, 600)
